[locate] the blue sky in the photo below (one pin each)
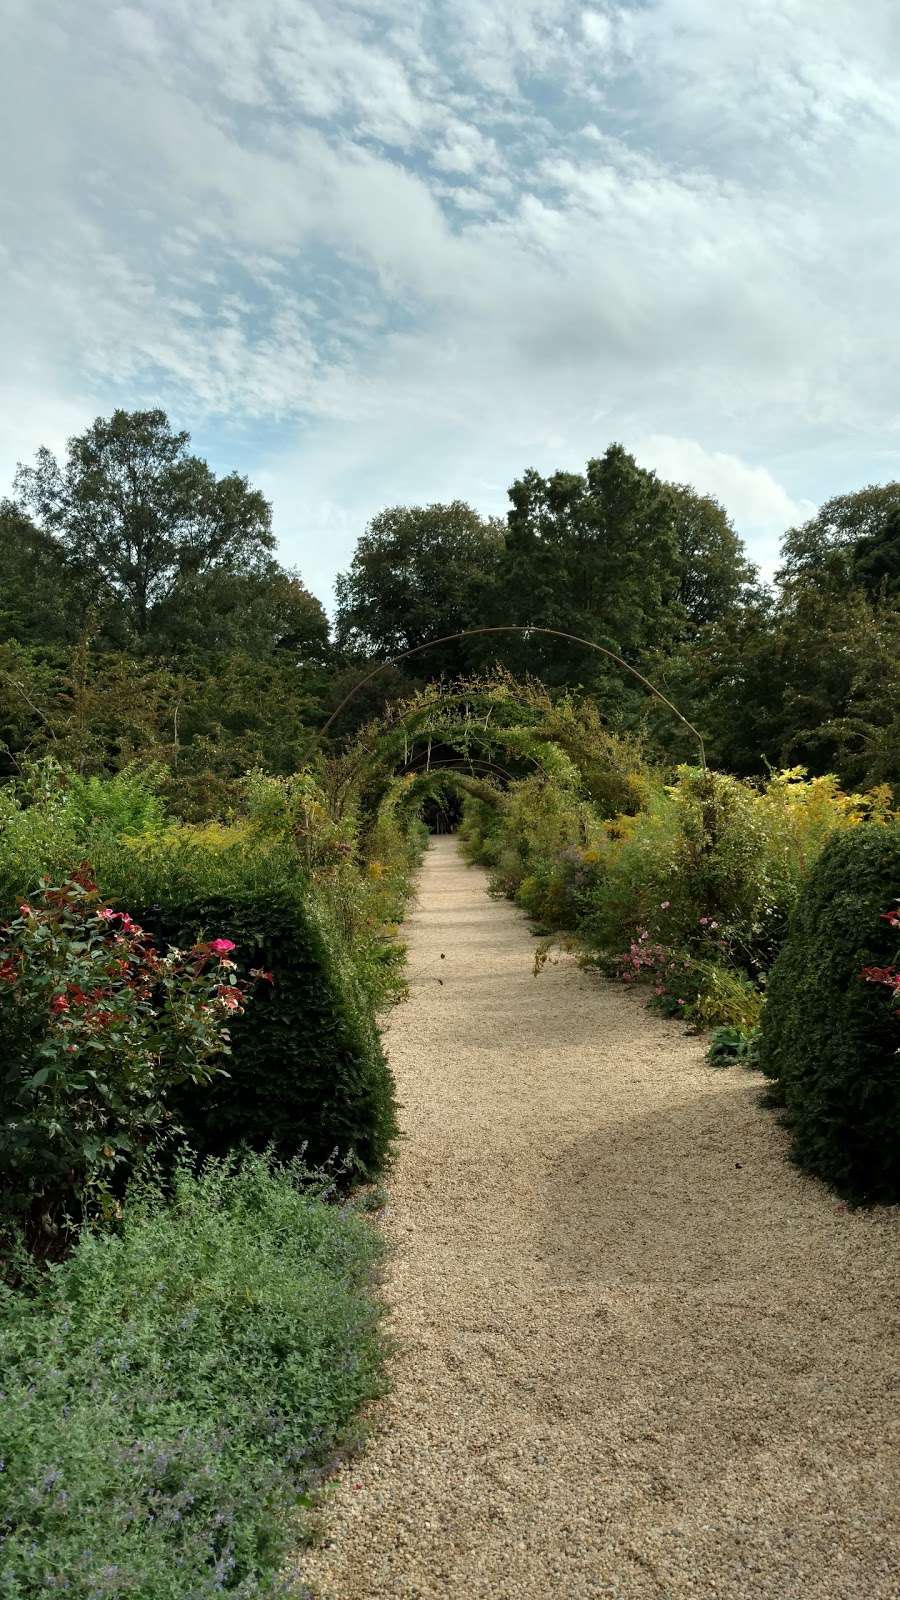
(395, 251)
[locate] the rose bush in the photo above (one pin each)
(96, 1026)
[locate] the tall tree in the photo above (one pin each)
(419, 572)
(839, 547)
(595, 555)
(714, 575)
(43, 595)
(146, 519)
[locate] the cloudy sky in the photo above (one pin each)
(382, 251)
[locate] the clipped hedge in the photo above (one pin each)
(829, 1039)
(307, 1073)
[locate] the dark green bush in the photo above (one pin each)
(171, 1393)
(307, 1071)
(829, 1039)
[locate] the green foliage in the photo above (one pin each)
(202, 723)
(288, 886)
(418, 573)
(37, 840)
(713, 866)
(713, 573)
(96, 1031)
(126, 802)
(42, 598)
(830, 1039)
(691, 894)
(162, 541)
(51, 819)
(850, 543)
(593, 555)
(362, 882)
(307, 1067)
(730, 1044)
(173, 1392)
(809, 673)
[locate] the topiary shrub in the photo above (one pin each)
(829, 1038)
(307, 1070)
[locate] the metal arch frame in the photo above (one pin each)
(526, 630)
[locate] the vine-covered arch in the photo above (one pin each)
(490, 732)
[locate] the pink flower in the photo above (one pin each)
(664, 905)
(59, 1003)
(222, 946)
(26, 910)
(108, 914)
(878, 975)
(703, 921)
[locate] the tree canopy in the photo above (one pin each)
(173, 557)
(419, 572)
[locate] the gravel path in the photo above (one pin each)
(638, 1355)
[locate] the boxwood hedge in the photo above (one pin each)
(829, 1039)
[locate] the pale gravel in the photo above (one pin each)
(638, 1354)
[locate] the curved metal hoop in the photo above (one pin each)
(512, 627)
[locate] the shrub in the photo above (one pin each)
(39, 840)
(704, 878)
(307, 1069)
(730, 1044)
(363, 883)
(96, 1030)
(310, 1070)
(125, 802)
(173, 1391)
(51, 819)
(830, 1038)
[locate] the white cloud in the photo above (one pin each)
(597, 29)
(420, 251)
(758, 504)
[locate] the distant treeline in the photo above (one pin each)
(143, 613)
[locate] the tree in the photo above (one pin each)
(834, 548)
(714, 574)
(419, 572)
(42, 595)
(876, 559)
(728, 678)
(595, 555)
(257, 613)
(148, 521)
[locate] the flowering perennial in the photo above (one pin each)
(96, 1025)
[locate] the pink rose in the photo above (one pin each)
(222, 946)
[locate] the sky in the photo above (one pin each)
(396, 251)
